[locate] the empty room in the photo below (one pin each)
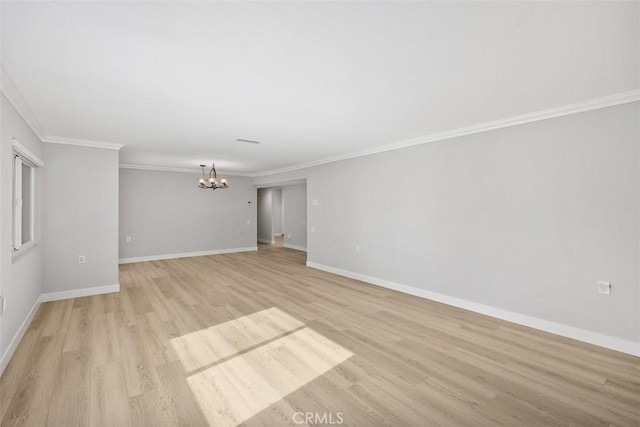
(361, 213)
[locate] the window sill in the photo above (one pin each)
(16, 255)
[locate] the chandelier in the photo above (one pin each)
(212, 181)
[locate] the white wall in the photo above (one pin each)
(525, 219)
(80, 217)
(166, 213)
(277, 211)
(20, 278)
(265, 215)
(294, 198)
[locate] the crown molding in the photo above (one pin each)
(172, 169)
(158, 168)
(13, 95)
(563, 110)
(83, 143)
(15, 98)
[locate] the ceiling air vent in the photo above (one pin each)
(248, 141)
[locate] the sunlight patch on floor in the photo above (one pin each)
(207, 346)
(238, 387)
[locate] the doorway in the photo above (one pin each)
(282, 216)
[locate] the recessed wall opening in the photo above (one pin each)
(282, 216)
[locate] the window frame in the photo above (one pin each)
(23, 156)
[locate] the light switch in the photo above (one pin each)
(604, 288)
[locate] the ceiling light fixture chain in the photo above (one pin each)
(212, 182)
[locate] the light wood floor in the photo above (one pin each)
(256, 338)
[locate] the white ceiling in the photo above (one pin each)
(178, 83)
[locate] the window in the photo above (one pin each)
(24, 166)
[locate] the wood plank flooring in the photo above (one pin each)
(258, 339)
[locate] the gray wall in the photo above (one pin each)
(81, 217)
(265, 215)
(166, 213)
(294, 198)
(526, 218)
(277, 211)
(20, 278)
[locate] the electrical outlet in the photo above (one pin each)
(313, 229)
(128, 239)
(239, 233)
(604, 288)
(248, 222)
(288, 236)
(314, 202)
(81, 259)
(358, 249)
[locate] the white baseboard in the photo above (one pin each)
(185, 255)
(602, 340)
(50, 296)
(267, 241)
(13, 345)
(77, 293)
(297, 248)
